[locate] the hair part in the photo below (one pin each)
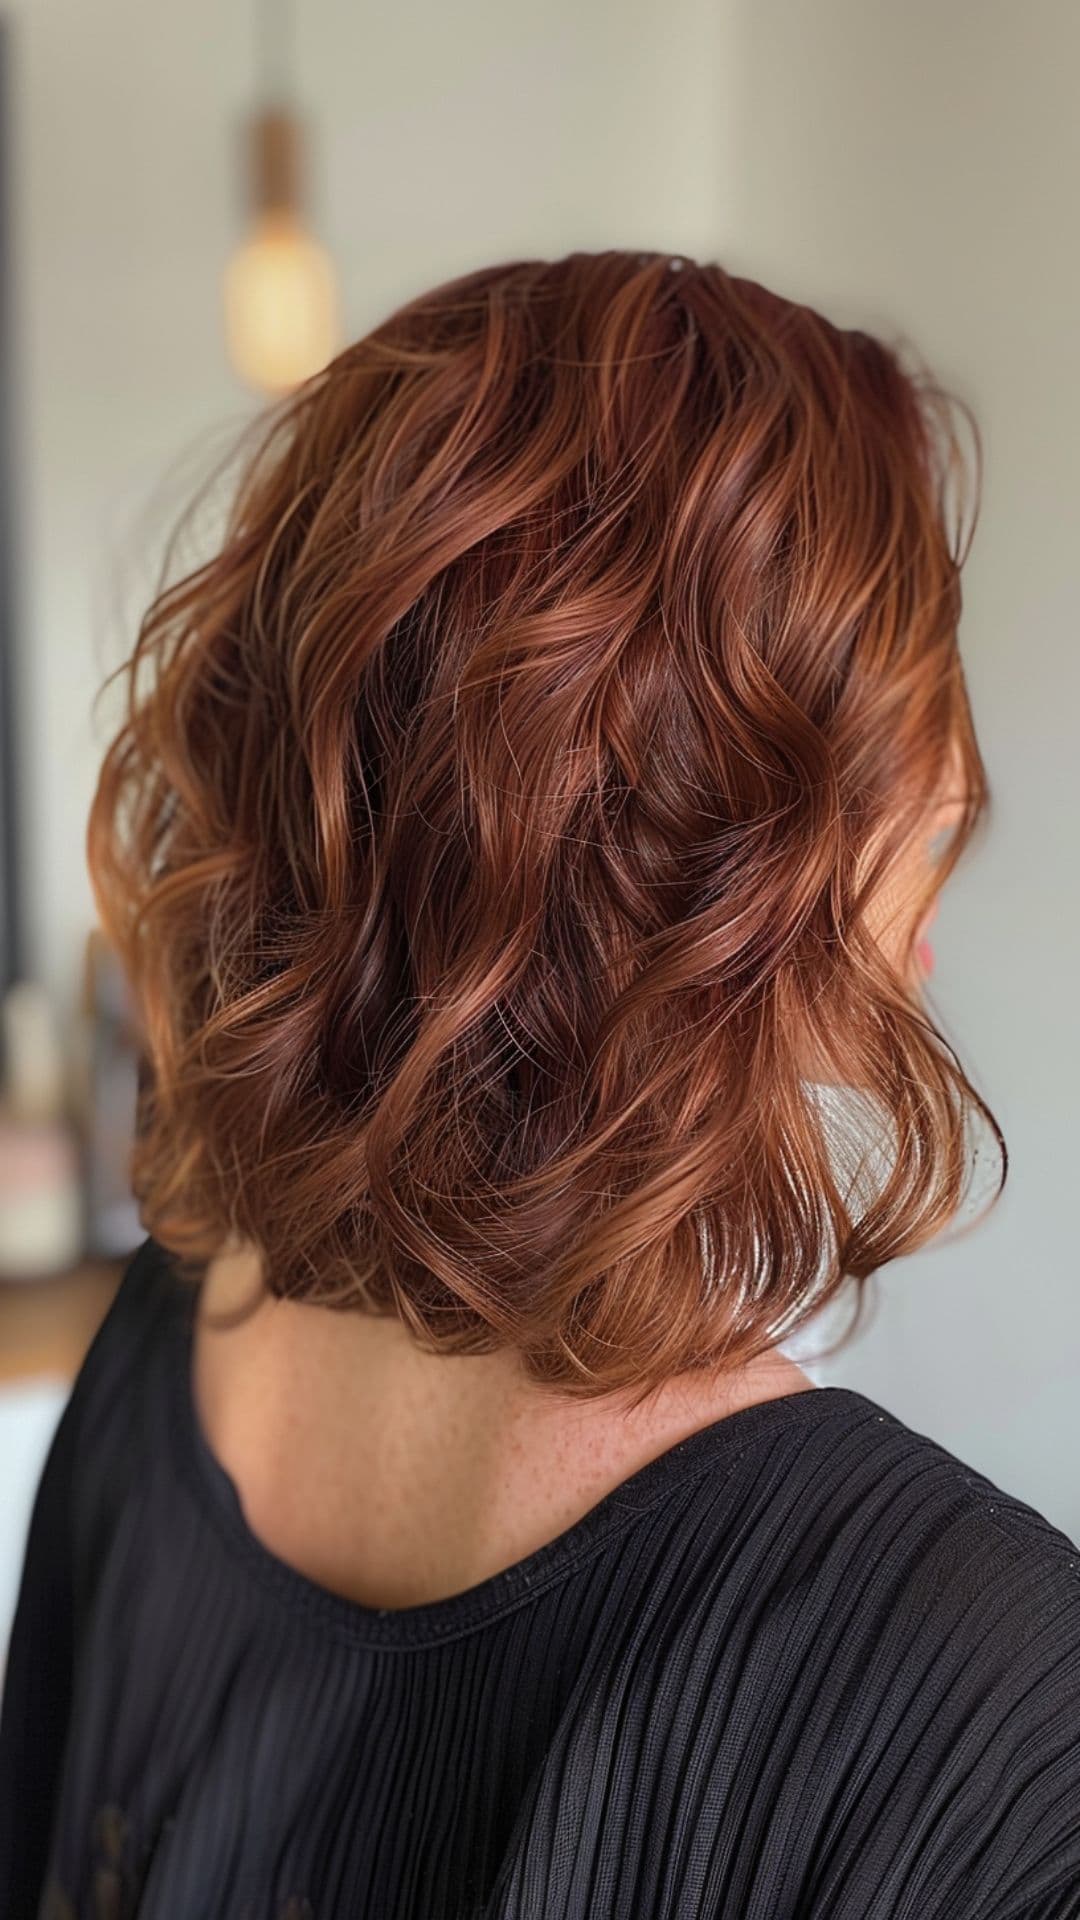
(491, 829)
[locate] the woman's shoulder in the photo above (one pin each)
(909, 1632)
(146, 1300)
(887, 1571)
(120, 1384)
(864, 1503)
(921, 1481)
(985, 1587)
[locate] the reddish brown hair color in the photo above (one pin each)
(490, 835)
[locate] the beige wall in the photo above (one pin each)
(917, 167)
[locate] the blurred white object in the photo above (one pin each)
(29, 1411)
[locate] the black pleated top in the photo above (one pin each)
(806, 1663)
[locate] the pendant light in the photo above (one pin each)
(281, 298)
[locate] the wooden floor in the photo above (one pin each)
(47, 1325)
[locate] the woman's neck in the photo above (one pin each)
(397, 1477)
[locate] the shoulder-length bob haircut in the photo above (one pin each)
(491, 831)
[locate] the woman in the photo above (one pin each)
(521, 840)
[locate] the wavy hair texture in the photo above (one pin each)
(491, 830)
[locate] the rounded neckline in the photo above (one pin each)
(719, 1445)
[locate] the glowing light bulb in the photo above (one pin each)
(281, 305)
(281, 302)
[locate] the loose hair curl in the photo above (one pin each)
(491, 830)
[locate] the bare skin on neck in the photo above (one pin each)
(397, 1478)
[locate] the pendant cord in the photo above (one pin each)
(275, 62)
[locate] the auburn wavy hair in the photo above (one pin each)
(491, 830)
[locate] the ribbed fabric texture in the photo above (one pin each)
(804, 1664)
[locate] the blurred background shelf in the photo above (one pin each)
(47, 1325)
